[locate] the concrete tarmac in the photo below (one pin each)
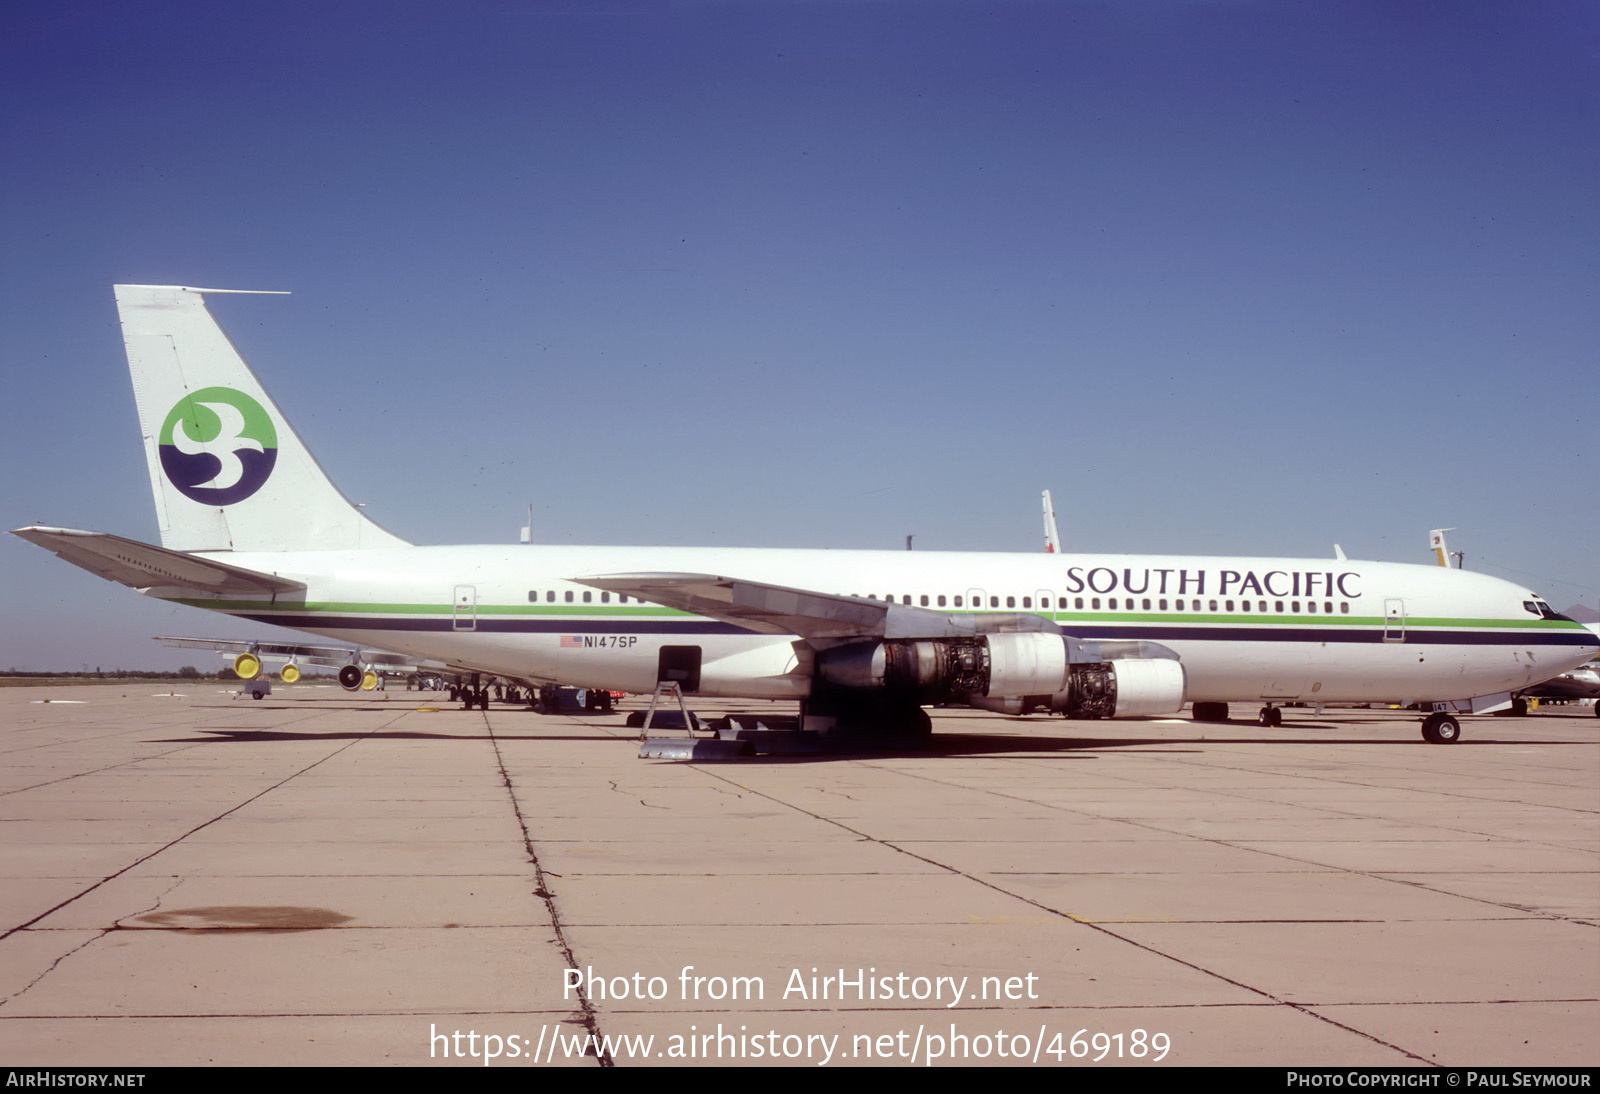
(320, 879)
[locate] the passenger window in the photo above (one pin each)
(569, 596)
(1011, 602)
(533, 597)
(994, 602)
(1177, 605)
(1278, 606)
(941, 600)
(1027, 602)
(1263, 605)
(587, 596)
(1078, 603)
(1095, 603)
(923, 600)
(1163, 603)
(1294, 606)
(1344, 607)
(1327, 606)
(1244, 605)
(1311, 606)
(958, 602)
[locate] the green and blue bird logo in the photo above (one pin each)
(218, 446)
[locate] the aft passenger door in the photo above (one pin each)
(1394, 619)
(466, 608)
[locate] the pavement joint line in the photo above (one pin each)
(589, 1020)
(1554, 917)
(1444, 792)
(182, 747)
(1090, 925)
(174, 842)
(89, 941)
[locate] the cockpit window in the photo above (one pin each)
(1543, 610)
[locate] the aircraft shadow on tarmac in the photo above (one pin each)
(940, 744)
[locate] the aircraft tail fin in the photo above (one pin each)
(1052, 538)
(227, 470)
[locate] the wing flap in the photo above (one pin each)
(765, 609)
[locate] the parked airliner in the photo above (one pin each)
(251, 526)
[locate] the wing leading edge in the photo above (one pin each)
(826, 618)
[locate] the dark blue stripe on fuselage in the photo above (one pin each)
(1153, 631)
(444, 624)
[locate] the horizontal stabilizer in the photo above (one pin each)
(144, 566)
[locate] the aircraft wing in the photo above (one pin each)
(144, 566)
(332, 656)
(774, 609)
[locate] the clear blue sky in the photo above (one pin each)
(1227, 277)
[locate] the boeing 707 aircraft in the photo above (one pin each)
(251, 526)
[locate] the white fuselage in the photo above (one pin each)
(1244, 628)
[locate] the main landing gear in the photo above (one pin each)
(1441, 729)
(1270, 716)
(472, 695)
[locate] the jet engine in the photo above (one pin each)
(1009, 672)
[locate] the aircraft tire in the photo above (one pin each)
(1441, 729)
(1270, 717)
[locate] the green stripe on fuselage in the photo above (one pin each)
(623, 612)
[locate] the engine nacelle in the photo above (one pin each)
(1011, 672)
(1125, 688)
(350, 677)
(247, 666)
(941, 670)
